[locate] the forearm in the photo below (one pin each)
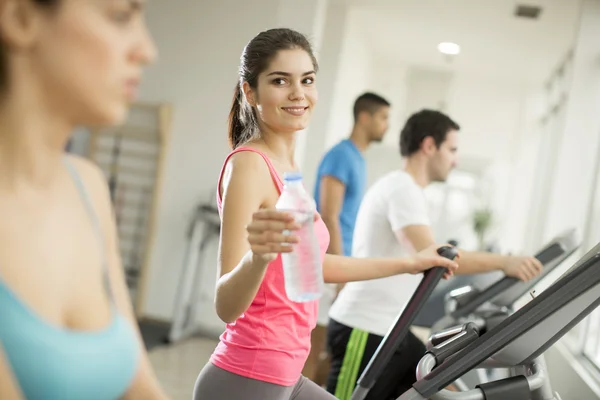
(237, 289)
(473, 262)
(340, 269)
(335, 236)
(335, 242)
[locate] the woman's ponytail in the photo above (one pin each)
(236, 125)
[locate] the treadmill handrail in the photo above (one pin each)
(400, 329)
(568, 244)
(428, 363)
(576, 282)
(484, 296)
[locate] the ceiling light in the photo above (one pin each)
(449, 48)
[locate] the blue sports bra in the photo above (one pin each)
(51, 362)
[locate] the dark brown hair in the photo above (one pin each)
(256, 56)
(369, 102)
(423, 124)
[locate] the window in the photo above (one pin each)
(451, 207)
(591, 342)
(590, 335)
(584, 339)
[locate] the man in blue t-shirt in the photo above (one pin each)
(340, 185)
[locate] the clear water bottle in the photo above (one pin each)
(302, 268)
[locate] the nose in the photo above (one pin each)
(146, 51)
(297, 92)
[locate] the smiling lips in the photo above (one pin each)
(295, 111)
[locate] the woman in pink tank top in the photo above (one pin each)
(267, 339)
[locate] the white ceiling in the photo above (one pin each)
(493, 41)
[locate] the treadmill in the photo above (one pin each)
(497, 300)
(517, 343)
(491, 306)
(398, 331)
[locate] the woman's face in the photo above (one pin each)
(86, 57)
(286, 92)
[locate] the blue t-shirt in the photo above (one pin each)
(345, 163)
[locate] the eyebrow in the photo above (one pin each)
(136, 4)
(288, 74)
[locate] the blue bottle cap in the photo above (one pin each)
(292, 176)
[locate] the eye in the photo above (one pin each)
(122, 17)
(279, 81)
(309, 80)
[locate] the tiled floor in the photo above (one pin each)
(178, 365)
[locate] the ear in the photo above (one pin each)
(363, 117)
(428, 145)
(19, 23)
(249, 94)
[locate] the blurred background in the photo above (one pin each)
(522, 78)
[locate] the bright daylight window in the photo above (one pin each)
(591, 342)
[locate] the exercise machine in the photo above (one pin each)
(435, 309)
(396, 335)
(517, 343)
(551, 256)
(204, 227)
(462, 303)
(488, 307)
(497, 300)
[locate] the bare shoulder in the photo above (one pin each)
(247, 162)
(246, 167)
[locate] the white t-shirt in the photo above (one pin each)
(392, 203)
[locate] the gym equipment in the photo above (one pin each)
(488, 307)
(551, 256)
(204, 227)
(462, 292)
(517, 343)
(434, 309)
(469, 304)
(132, 157)
(396, 335)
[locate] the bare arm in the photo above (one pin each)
(145, 384)
(246, 186)
(471, 262)
(8, 385)
(331, 200)
(340, 269)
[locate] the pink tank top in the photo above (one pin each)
(270, 342)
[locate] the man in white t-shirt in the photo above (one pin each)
(393, 221)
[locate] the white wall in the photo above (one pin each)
(576, 161)
(354, 78)
(330, 60)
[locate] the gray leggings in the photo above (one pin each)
(215, 383)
